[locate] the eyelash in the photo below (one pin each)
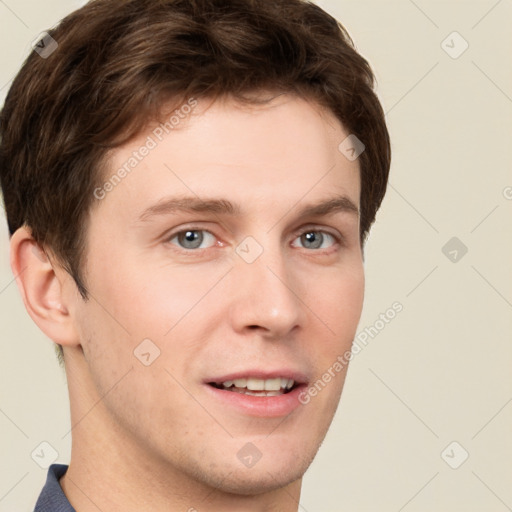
(339, 240)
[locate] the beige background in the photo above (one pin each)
(441, 370)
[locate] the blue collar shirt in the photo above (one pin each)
(52, 497)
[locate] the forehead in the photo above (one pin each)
(281, 151)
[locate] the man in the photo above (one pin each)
(188, 187)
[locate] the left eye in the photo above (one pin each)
(315, 238)
(191, 239)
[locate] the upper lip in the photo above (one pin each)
(297, 376)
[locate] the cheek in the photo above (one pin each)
(172, 300)
(339, 307)
(341, 303)
(144, 301)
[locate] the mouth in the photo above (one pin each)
(252, 386)
(258, 393)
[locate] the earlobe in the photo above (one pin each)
(41, 288)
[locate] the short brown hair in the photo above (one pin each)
(118, 61)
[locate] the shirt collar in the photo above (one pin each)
(52, 497)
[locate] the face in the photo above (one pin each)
(201, 319)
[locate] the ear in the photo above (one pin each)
(42, 288)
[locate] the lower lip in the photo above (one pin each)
(261, 406)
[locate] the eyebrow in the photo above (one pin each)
(224, 207)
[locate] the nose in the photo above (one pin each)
(266, 295)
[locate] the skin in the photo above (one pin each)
(152, 436)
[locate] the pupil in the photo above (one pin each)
(310, 237)
(191, 239)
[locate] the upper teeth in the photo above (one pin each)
(260, 384)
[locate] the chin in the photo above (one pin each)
(251, 482)
(272, 472)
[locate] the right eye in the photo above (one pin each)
(189, 239)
